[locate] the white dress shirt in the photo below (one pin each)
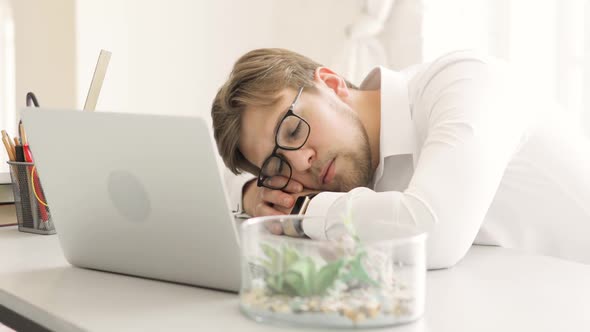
(469, 154)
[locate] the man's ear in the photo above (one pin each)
(329, 78)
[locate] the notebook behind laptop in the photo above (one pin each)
(136, 194)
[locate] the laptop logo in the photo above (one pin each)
(129, 195)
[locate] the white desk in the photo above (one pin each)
(492, 289)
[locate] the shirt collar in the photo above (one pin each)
(397, 133)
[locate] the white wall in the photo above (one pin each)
(44, 58)
(45, 49)
(313, 28)
(170, 57)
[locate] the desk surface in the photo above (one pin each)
(491, 289)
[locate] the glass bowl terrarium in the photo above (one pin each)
(332, 283)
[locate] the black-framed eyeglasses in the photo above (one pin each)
(292, 133)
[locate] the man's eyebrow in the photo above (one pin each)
(276, 129)
(281, 117)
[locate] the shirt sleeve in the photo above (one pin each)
(234, 185)
(472, 132)
(318, 207)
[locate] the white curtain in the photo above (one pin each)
(549, 40)
(386, 32)
(363, 49)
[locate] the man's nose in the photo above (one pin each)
(300, 160)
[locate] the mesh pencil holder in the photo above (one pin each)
(32, 212)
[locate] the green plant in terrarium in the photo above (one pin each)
(356, 271)
(290, 273)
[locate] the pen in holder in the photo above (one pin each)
(32, 212)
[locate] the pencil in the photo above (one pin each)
(7, 146)
(23, 134)
(8, 140)
(16, 142)
(11, 142)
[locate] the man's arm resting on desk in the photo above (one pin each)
(473, 131)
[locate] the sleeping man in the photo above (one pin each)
(460, 148)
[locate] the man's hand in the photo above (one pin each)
(261, 201)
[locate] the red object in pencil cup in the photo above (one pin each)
(32, 212)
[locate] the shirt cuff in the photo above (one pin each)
(318, 207)
(235, 186)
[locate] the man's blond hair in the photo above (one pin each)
(256, 80)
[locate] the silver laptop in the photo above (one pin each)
(137, 194)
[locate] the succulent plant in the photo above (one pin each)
(289, 273)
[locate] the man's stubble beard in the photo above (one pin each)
(359, 172)
(358, 159)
